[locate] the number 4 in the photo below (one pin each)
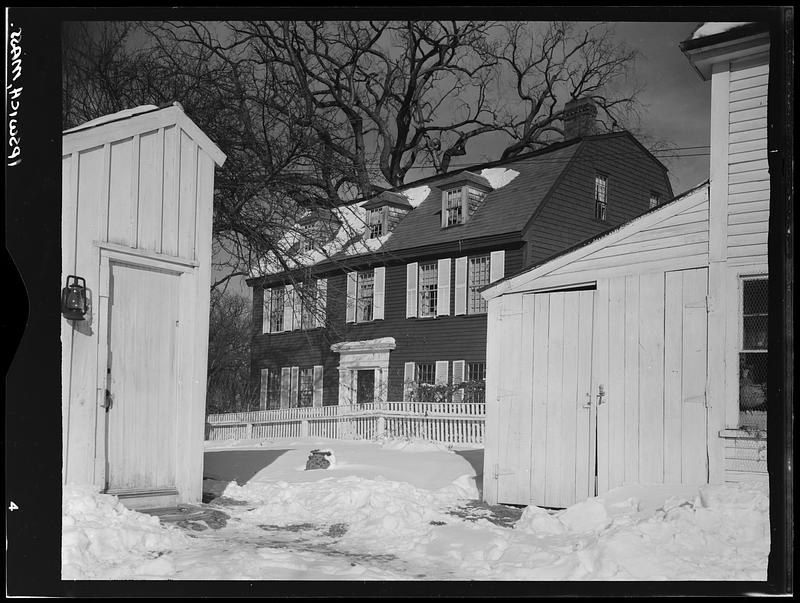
(12, 506)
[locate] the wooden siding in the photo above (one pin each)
(568, 217)
(648, 351)
(745, 458)
(127, 200)
(748, 175)
(442, 338)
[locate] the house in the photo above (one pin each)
(641, 355)
(396, 308)
(137, 192)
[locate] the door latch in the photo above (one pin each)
(108, 401)
(600, 393)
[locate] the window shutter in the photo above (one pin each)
(411, 289)
(444, 209)
(464, 204)
(443, 288)
(352, 280)
(408, 381)
(461, 286)
(264, 384)
(266, 306)
(288, 308)
(286, 385)
(294, 391)
(378, 293)
(317, 399)
(458, 377)
(441, 372)
(497, 266)
(321, 312)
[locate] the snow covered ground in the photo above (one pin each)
(401, 510)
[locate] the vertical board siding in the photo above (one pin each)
(748, 176)
(632, 329)
(541, 334)
(120, 193)
(554, 473)
(673, 374)
(151, 151)
(651, 378)
(615, 390)
(187, 196)
(170, 216)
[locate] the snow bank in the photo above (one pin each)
(720, 533)
(101, 539)
(393, 517)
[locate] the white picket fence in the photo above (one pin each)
(445, 422)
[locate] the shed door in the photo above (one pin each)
(141, 417)
(552, 463)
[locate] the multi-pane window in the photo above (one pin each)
(365, 295)
(753, 353)
(425, 378)
(428, 288)
(477, 277)
(305, 388)
(277, 297)
(475, 388)
(600, 196)
(453, 207)
(375, 222)
(273, 389)
(655, 200)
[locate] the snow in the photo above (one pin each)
(499, 177)
(710, 29)
(410, 510)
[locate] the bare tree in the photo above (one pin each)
(228, 386)
(319, 114)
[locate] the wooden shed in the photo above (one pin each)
(137, 196)
(641, 356)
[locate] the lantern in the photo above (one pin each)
(73, 298)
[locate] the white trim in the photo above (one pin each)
(147, 258)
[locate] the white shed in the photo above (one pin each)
(137, 196)
(641, 356)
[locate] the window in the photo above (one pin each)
(428, 288)
(277, 297)
(453, 207)
(477, 277)
(307, 294)
(366, 289)
(305, 390)
(753, 354)
(475, 388)
(600, 196)
(425, 378)
(655, 200)
(375, 222)
(273, 389)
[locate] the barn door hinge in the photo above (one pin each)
(709, 303)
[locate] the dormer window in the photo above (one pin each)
(600, 196)
(453, 207)
(461, 196)
(376, 222)
(384, 212)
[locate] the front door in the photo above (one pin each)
(142, 379)
(365, 388)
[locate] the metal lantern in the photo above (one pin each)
(73, 298)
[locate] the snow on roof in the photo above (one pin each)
(124, 114)
(499, 177)
(711, 29)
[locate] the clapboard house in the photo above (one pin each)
(396, 308)
(641, 355)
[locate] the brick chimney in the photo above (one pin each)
(579, 118)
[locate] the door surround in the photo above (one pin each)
(363, 355)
